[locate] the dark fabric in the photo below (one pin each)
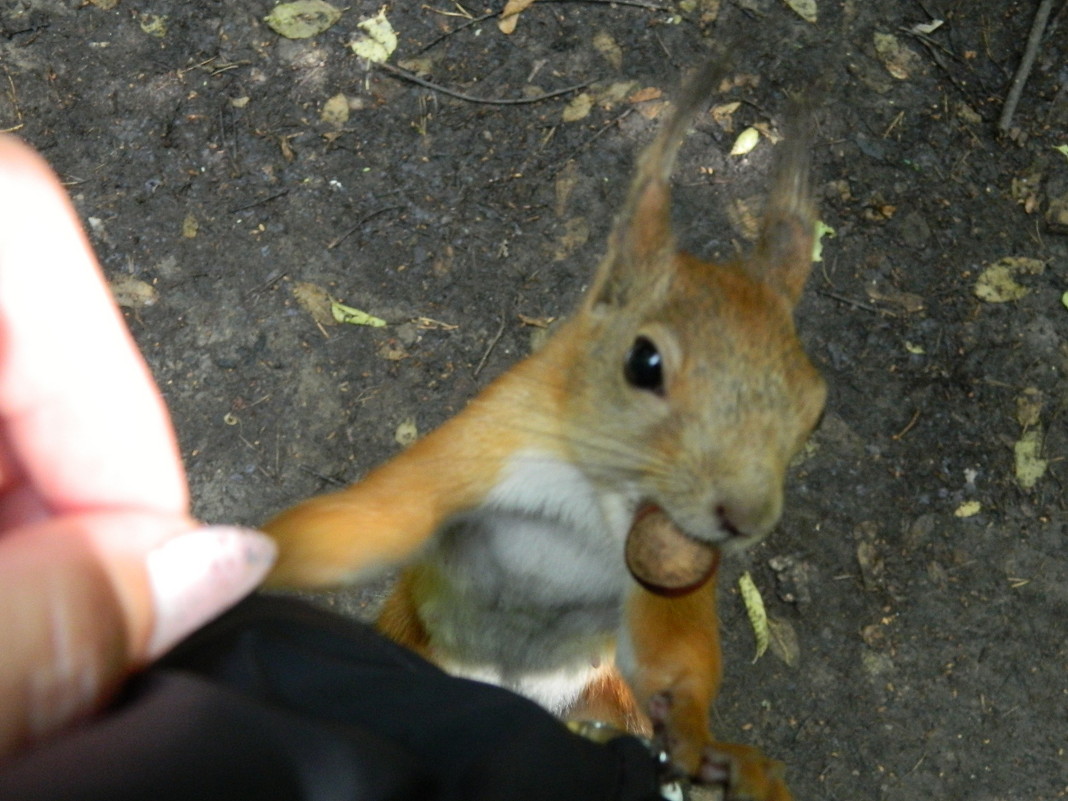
(278, 700)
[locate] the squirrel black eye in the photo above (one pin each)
(644, 367)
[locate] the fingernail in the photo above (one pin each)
(197, 576)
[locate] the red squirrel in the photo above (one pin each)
(677, 393)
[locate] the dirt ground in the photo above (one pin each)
(925, 575)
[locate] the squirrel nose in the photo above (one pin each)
(751, 513)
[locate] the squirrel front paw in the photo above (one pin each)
(742, 772)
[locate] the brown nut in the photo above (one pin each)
(663, 559)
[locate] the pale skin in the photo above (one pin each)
(102, 568)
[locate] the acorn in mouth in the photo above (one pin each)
(663, 559)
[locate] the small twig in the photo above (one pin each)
(14, 103)
(492, 345)
(457, 29)
(635, 3)
(272, 279)
(328, 479)
(1038, 27)
(849, 301)
(259, 202)
(490, 101)
(908, 427)
(338, 240)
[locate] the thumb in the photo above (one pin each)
(90, 597)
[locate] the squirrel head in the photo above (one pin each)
(691, 391)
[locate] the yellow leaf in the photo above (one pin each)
(578, 108)
(154, 24)
(378, 40)
(1030, 466)
(806, 9)
(745, 142)
(347, 314)
(302, 19)
(968, 509)
(754, 609)
(822, 230)
(190, 226)
(997, 283)
(406, 433)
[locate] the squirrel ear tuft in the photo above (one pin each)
(783, 255)
(642, 245)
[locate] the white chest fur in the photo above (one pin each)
(528, 587)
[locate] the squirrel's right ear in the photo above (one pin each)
(642, 246)
(783, 254)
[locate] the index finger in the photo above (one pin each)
(80, 418)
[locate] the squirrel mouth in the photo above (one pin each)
(663, 558)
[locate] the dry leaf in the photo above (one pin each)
(997, 283)
(968, 509)
(648, 93)
(651, 110)
(1030, 466)
(782, 639)
(417, 66)
(898, 59)
(510, 15)
(393, 350)
(378, 40)
(132, 293)
(536, 322)
(302, 19)
(315, 300)
(1029, 407)
(871, 564)
(607, 47)
(806, 9)
(723, 115)
(578, 108)
(335, 111)
(190, 226)
(154, 24)
(615, 93)
(406, 432)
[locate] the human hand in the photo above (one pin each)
(101, 567)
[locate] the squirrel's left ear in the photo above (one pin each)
(641, 247)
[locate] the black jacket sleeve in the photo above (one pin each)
(281, 701)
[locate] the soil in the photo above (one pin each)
(926, 580)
